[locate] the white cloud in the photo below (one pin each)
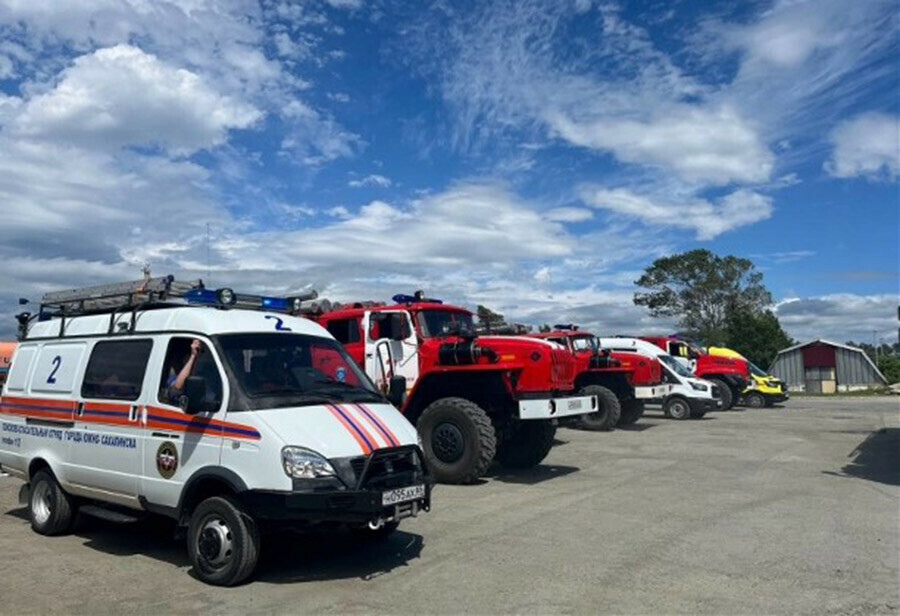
(840, 317)
(121, 96)
(569, 214)
(708, 218)
(866, 145)
(345, 4)
(700, 144)
(371, 180)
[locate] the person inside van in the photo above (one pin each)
(180, 367)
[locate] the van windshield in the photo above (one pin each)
(278, 370)
(676, 366)
(756, 370)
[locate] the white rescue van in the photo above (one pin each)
(274, 424)
(688, 396)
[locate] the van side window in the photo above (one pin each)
(116, 370)
(344, 331)
(178, 358)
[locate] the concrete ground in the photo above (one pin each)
(793, 509)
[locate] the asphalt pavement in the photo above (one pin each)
(791, 509)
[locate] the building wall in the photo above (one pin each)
(851, 371)
(854, 371)
(789, 368)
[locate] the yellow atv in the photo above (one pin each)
(762, 389)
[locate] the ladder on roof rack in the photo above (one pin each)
(118, 296)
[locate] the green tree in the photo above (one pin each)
(758, 336)
(700, 289)
(488, 319)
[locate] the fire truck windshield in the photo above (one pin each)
(585, 343)
(434, 323)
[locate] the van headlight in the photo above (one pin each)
(699, 386)
(302, 463)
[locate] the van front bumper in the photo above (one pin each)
(345, 506)
(704, 405)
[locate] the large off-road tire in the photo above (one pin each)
(50, 510)
(724, 393)
(755, 400)
(527, 445)
(607, 416)
(632, 410)
(223, 542)
(459, 440)
(677, 407)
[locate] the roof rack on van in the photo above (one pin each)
(163, 291)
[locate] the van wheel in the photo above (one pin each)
(527, 445)
(632, 410)
(677, 408)
(755, 400)
(724, 393)
(609, 412)
(459, 440)
(50, 509)
(223, 542)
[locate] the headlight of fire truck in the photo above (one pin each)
(302, 463)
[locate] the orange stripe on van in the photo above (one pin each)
(354, 431)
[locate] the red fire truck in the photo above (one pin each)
(473, 398)
(621, 381)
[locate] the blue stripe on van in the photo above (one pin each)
(190, 422)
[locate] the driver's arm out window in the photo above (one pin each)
(177, 360)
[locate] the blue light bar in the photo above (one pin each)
(275, 303)
(571, 326)
(201, 296)
(401, 298)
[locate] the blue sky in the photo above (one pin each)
(532, 156)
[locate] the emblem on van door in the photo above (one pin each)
(167, 459)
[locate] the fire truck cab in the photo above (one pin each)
(473, 398)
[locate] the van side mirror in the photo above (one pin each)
(397, 390)
(194, 395)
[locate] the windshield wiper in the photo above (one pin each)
(340, 388)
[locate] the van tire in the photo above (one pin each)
(223, 542)
(50, 510)
(755, 400)
(458, 438)
(609, 412)
(677, 407)
(725, 393)
(527, 445)
(632, 410)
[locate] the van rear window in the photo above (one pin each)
(116, 370)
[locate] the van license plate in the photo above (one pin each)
(402, 495)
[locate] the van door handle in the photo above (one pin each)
(79, 409)
(133, 413)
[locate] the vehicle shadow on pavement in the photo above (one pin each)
(286, 557)
(877, 458)
(531, 476)
(289, 558)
